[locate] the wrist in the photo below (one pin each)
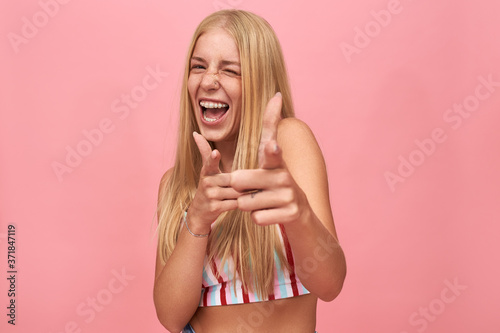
(194, 228)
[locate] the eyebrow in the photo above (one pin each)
(223, 62)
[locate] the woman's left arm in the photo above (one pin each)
(293, 190)
(320, 261)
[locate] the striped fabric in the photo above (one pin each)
(220, 290)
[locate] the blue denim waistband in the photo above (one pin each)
(189, 329)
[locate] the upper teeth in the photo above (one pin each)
(211, 105)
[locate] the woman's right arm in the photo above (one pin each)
(177, 288)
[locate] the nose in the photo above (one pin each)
(210, 80)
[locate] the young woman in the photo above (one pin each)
(247, 241)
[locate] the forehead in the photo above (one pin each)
(216, 44)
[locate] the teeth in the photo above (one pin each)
(208, 119)
(211, 105)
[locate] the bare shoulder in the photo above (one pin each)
(289, 128)
(297, 141)
(161, 193)
(164, 182)
(166, 177)
(306, 164)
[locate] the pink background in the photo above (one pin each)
(404, 244)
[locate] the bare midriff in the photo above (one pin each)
(287, 315)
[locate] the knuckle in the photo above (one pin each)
(242, 203)
(283, 178)
(234, 178)
(256, 217)
(213, 207)
(204, 182)
(288, 195)
(232, 205)
(294, 212)
(211, 193)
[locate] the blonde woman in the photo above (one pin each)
(246, 239)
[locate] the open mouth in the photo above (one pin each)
(213, 111)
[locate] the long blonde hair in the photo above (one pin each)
(234, 235)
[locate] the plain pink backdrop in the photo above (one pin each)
(369, 83)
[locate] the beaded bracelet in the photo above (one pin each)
(192, 233)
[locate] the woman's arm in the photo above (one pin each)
(319, 258)
(294, 192)
(177, 288)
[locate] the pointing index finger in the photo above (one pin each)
(272, 116)
(210, 158)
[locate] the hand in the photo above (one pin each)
(272, 194)
(214, 194)
(269, 155)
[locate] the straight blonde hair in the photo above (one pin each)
(234, 235)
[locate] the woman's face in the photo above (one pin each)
(214, 85)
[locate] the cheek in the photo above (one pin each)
(193, 84)
(236, 94)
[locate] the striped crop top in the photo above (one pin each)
(221, 290)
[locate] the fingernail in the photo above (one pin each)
(278, 94)
(276, 148)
